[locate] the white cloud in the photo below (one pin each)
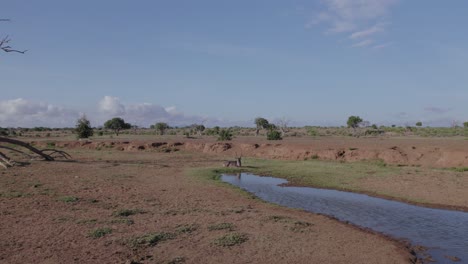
(25, 113)
(363, 43)
(381, 46)
(111, 105)
(368, 32)
(353, 16)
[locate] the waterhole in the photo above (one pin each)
(443, 232)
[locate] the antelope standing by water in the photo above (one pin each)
(233, 163)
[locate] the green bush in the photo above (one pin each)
(83, 128)
(312, 132)
(274, 135)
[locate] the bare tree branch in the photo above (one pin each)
(7, 48)
(18, 151)
(4, 43)
(26, 145)
(59, 152)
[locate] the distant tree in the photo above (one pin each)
(261, 123)
(354, 121)
(465, 124)
(419, 124)
(83, 128)
(224, 134)
(198, 128)
(161, 127)
(374, 126)
(116, 124)
(283, 125)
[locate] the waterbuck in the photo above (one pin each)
(233, 163)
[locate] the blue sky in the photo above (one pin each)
(227, 62)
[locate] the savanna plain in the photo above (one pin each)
(158, 199)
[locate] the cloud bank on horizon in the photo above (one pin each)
(27, 113)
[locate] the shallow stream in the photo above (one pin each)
(443, 232)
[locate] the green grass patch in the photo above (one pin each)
(315, 173)
(99, 232)
(459, 169)
(231, 239)
(221, 226)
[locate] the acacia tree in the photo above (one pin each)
(261, 123)
(5, 42)
(83, 128)
(161, 127)
(116, 124)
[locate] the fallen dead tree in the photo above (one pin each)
(46, 154)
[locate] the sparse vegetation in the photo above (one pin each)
(126, 221)
(150, 239)
(187, 228)
(99, 232)
(231, 239)
(225, 135)
(128, 212)
(68, 199)
(221, 226)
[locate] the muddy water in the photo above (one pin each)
(443, 232)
